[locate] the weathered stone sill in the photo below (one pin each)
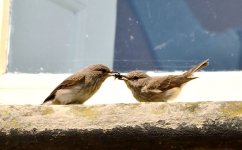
(204, 125)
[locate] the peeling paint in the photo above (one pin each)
(87, 112)
(4, 112)
(192, 107)
(159, 110)
(11, 123)
(46, 110)
(232, 109)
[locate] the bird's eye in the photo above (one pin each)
(135, 78)
(103, 70)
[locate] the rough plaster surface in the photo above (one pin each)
(107, 116)
(163, 115)
(123, 124)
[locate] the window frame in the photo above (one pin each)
(43, 91)
(4, 41)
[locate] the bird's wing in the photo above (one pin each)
(67, 83)
(153, 85)
(161, 84)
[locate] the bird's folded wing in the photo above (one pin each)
(161, 84)
(173, 81)
(150, 91)
(67, 83)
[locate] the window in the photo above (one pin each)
(59, 37)
(172, 35)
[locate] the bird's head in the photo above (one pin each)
(132, 76)
(134, 79)
(100, 71)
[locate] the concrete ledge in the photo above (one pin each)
(205, 125)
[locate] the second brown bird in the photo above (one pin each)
(158, 89)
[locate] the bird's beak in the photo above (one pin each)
(113, 73)
(117, 75)
(120, 77)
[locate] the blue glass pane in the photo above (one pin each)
(176, 34)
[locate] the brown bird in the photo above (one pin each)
(158, 89)
(80, 86)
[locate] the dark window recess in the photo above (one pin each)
(174, 35)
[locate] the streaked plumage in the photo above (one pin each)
(158, 89)
(79, 87)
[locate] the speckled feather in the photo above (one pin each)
(80, 86)
(159, 89)
(67, 83)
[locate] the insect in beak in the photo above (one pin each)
(120, 77)
(113, 73)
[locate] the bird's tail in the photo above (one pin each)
(198, 67)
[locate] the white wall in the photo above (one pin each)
(33, 89)
(1, 19)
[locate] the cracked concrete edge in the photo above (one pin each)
(172, 116)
